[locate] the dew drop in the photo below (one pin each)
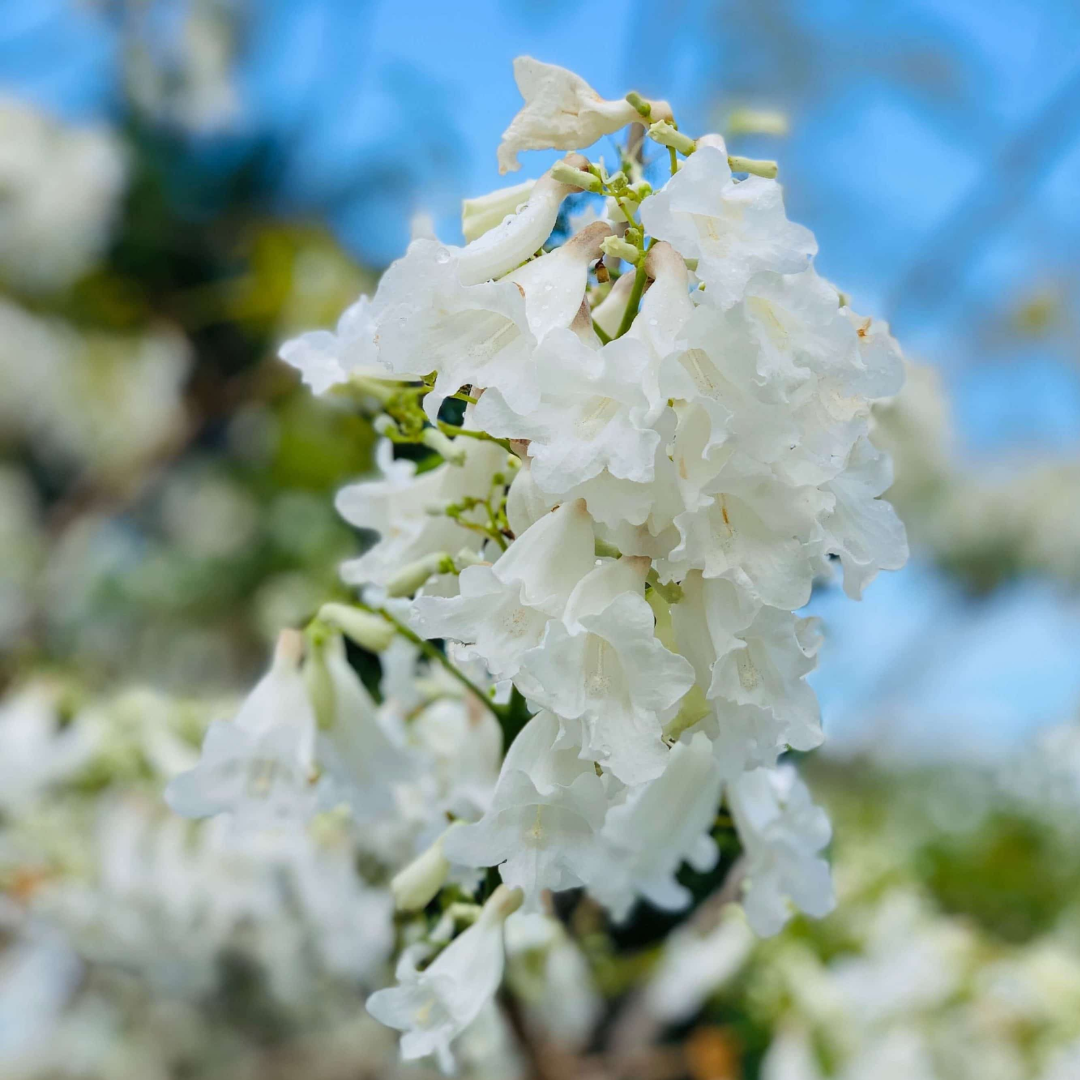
(443, 257)
(548, 287)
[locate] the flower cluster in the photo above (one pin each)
(664, 441)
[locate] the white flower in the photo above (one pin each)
(327, 358)
(432, 317)
(751, 661)
(732, 229)
(352, 923)
(602, 665)
(429, 320)
(760, 533)
(518, 237)
(482, 214)
(781, 831)
(465, 744)
(432, 1007)
(862, 529)
(541, 828)
(608, 314)
(259, 765)
(397, 508)
(592, 413)
(549, 975)
(503, 609)
(360, 761)
(562, 111)
(658, 826)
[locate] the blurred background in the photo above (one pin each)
(185, 183)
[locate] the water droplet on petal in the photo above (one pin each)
(443, 257)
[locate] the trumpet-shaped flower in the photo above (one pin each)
(360, 761)
(603, 666)
(592, 413)
(658, 826)
(751, 661)
(782, 832)
(327, 358)
(433, 1006)
(482, 214)
(429, 320)
(862, 529)
(732, 229)
(762, 534)
(542, 825)
(259, 765)
(503, 609)
(562, 111)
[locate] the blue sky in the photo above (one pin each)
(899, 111)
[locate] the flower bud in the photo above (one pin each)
(567, 174)
(320, 687)
(410, 578)
(369, 631)
(501, 904)
(618, 248)
(435, 440)
(613, 211)
(757, 122)
(484, 213)
(666, 135)
(767, 169)
(416, 885)
(644, 107)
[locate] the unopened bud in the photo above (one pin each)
(417, 885)
(410, 578)
(484, 213)
(289, 649)
(376, 388)
(320, 688)
(465, 558)
(757, 122)
(501, 904)
(639, 103)
(666, 135)
(618, 182)
(364, 628)
(567, 174)
(767, 169)
(435, 440)
(618, 248)
(613, 211)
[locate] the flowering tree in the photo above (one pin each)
(611, 470)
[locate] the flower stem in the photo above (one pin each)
(438, 656)
(635, 299)
(453, 429)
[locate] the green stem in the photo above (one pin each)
(674, 160)
(432, 653)
(601, 333)
(454, 430)
(635, 299)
